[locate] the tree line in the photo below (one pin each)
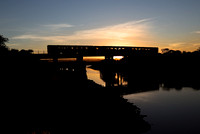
(5, 50)
(171, 52)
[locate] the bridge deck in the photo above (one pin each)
(76, 51)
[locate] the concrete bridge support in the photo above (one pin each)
(79, 58)
(107, 58)
(55, 59)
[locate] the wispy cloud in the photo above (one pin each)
(12, 45)
(177, 45)
(57, 26)
(196, 32)
(133, 31)
(184, 46)
(120, 32)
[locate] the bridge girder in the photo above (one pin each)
(74, 51)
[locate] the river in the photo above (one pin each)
(169, 110)
(95, 76)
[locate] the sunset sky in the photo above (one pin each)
(34, 24)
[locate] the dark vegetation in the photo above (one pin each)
(46, 97)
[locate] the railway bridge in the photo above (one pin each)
(75, 51)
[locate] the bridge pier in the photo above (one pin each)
(79, 58)
(55, 59)
(108, 58)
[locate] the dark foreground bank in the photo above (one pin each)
(41, 97)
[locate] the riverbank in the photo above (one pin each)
(58, 97)
(37, 95)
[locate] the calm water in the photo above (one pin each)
(116, 78)
(95, 75)
(169, 111)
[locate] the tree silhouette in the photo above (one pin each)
(3, 47)
(3, 40)
(165, 50)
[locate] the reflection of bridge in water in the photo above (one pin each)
(114, 79)
(74, 51)
(128, 80)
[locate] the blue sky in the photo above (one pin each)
(34, 24)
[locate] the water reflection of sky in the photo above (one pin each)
(170, 111)
(95, 76)
(115, 79)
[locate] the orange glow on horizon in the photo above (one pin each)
(94, 58)
(118, 57)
